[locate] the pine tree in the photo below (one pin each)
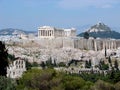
(86, 63)
(3, 59)
(43, 64)
(105, 52)
(116, 65)
(55, 64)
(90, 63)
(109, 60)
(86, 35)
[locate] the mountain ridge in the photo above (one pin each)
(100, 30)
(11, 31)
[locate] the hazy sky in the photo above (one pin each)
(30, 14)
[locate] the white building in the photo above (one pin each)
(52, 32)
(16, 69)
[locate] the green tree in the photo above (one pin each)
(103, 66)
(36, 79)
(86, 35)
(35, 64)
(92, 77)
(116, 65)
(11, 57)
(42, 64)
(112, 76)
(55, 64)
(116, 76)
(88, 64)
(105, 51)
(61, 64)
(73, 82)
(109, 60)
(3, 59)
(101, 85)
(49, 63)
(49, 79)
(117, 86)
(7, 83)
(28, 65)
(87, 85)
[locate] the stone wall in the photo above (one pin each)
(65, 42)
(79, 43)
(50, 43)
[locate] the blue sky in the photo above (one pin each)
(30, 14)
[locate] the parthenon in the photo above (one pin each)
(52, 32)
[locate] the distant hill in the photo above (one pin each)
(100, 30)
(11, 31)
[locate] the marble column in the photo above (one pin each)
(48, 32)
(43, 32)
(95, 45)
(52, 33)
(40, 33)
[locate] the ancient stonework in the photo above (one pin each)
(78, 43)
(51, 37)
(52, 32)
(16, 69)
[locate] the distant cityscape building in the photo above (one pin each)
(52, 32)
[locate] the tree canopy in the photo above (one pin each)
(86, 35)
(3, 59)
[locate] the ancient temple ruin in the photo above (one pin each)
(52, 32)
(16, 69)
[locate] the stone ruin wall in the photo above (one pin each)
(16, 69)
(95, 44)
(78, 43)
